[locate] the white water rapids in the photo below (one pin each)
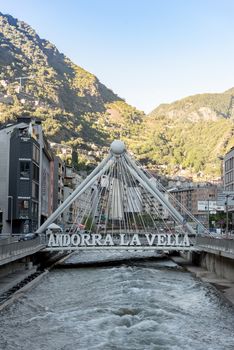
(146, 305)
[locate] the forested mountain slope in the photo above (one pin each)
(189, 135)
(74, 105)
(182, 138)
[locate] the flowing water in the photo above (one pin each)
(141, 306)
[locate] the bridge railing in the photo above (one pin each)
(12, 249)
(222, 244)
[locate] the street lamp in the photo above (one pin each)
(11, 198)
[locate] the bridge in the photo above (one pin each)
(11, 249)
(127, 208)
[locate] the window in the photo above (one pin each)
(34, 209)
(35, 190)
(35, 172)
(23, 132)
(36, 154)
(24, 169)
(23, 206)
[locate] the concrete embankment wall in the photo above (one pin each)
(20, 276)
(39, 260)
(15, 266)
(222, 266)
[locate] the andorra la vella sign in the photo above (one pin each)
(167, 241)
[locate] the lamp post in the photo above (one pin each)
(11, 198)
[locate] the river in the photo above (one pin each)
(145, 305)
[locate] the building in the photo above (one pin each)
(228, 168)
(190, 196)
(58, 185)
(1, 220)
(76, 212)
(228, 179)
(155, 205)
(46, 184)
(25, 176)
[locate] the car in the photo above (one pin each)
(28, 236)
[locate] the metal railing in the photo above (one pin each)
(13, 249)
(219, 244)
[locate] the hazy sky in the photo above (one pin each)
(147, 51)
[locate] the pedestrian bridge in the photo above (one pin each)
(12, 250)
(126, 208)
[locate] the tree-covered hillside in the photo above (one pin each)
(188, 137)
(74, 106)
(182, 138)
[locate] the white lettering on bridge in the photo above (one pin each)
(85, 240)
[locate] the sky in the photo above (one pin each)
(147, 51)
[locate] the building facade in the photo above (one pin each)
(228, 168)
(228, 179)
(190, 197)
(25, 176)
(58, 185)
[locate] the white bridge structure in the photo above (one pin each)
(128, 209)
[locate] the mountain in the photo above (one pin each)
(74, 106)
(182, 138)
(187, 137)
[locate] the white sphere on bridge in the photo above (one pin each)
(117, 147)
